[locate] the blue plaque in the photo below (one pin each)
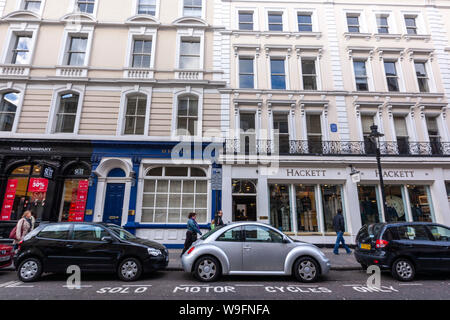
(333, 127)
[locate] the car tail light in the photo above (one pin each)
(381, 244)
(19, 245)
(190, 250)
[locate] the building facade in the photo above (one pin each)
(137, 112)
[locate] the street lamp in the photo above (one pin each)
(375, 139)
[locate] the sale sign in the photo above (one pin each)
(78, 207)
(38, 185)
(8, 201)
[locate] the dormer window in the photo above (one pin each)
(192, 8)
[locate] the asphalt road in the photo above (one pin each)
(176, 285)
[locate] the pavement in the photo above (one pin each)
(343, 261)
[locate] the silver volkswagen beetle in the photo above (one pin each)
(251, 248)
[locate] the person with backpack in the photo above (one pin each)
(339, 227)
(24, 226)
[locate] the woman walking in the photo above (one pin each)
(24, 226)
(191, 233)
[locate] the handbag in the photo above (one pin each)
(12, 234)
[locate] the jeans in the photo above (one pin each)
(340, 238)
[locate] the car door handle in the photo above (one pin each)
(247, 248)
(69, 246)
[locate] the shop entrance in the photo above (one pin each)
(112, 212)
(244, 208)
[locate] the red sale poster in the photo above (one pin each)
(38, 185)
(78, 205)
(8, 201)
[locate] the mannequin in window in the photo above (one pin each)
(417, 212)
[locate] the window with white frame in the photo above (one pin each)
(246, 73)
(171, 193)
(142, 53)
(401, 133)
(192, 8)
(281, 128)
(8, 106)
(32, 5)
(383, 24)
(275, 21)
(245, 20)
(76, 51)
(309, 74)
(135, 114)
(21, 52)
(361, 78)
(86, 6)
(67, 113)
(367, 121)
(390, 70)
(278, 73)
(190, 53)
(434, 136)
(147, 7)
(353, 23)
(314, 133)
(187, 115)
(411, 24)
(422, 76)
(304, 21)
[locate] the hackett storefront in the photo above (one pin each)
(302, 201)
(48, 177)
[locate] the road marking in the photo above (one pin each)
(249, 285)
(74, 286)
(137, 285)
(6, 284)
(410, 284)
(15, 284)
(194, 285)
(352, 285)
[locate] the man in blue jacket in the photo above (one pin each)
(339, 227)
(191, 233)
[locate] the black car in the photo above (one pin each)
(94, 247)
(404, 248)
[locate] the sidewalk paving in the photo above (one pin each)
(343, 261)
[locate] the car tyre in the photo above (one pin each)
(29, 270)
(403, 270)
(207, 269)
(130, 269)
(306, 269)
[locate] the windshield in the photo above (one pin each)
(206, 235)
(122, 233)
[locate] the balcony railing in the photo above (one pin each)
(344, 148)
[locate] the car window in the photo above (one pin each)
(440, 233)
(232, 235)
(211, 232)
(412, 233)
(56, 231)
(88, 232)
(122, 233)
(261, 234)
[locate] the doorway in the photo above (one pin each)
(112, 212)
(244, 208)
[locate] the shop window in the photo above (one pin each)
(8, 107)
(331, 202)
(395, 204)
(116, 173)
(171, 193)
(305, 198)
(369, 204)
(74, 199)
(280, 209)
(419, 197)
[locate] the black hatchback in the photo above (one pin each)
(93, 247)
(404, 248)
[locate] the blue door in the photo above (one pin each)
(112, 212)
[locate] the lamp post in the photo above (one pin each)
(375, 138)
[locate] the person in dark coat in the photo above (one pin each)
(191, 233)
(339, 227)
(218, 222)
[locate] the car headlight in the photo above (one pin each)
(154, 252)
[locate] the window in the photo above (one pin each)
(440, 233)
(86, 6)
(246, 73)
(383, 24)
(433, 135)
(411, 26)
(391, 76)
(187, 115)
(305, 197)
(280, 209)
(275, 21)
(361, 75)
(309, 74)
(422, 77)
(232, 235)
(32, 5)
(142, 53)
(304, 21)
(248, 134)
(353, 23)
(56, 231)
(169, 199)
(419, 198)
(135, 115)
(366, 123)
(245, 20)
(190, 54)
(331, 202)
(77, 51)
(314, 132)
(21, 53)
(412, 233)
(281, 127)
(8, 107)
(147, 7)
(261, 234)
(395, 203)
(369, 204)
(278, 73)
(401, 132)
(67, 113)
(86, 232)
(192, 8)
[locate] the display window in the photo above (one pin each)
(395, 203)
(331, 202)
(369, 204)
(420, 200)
(74, 200)
(280, 209)
(305, 197)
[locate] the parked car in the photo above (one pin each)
(404, 248)
(94, 247)
(250, 248)
(6, 256)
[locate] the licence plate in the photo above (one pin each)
(5, 258)
(366, 246)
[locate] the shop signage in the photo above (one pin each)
(216, 179)
(396, 173)
(306, 172)
(48, 172)
(8, 202)
(77, 207)
(38, 185)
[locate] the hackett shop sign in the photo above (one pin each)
(396, 173)
(306, 172)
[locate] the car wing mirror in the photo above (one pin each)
(286, 240)
(107, 239)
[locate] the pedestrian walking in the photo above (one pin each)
(191, 233)
(339, 227)
(24, 226)
(218, 219)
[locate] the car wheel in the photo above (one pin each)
(403, 270)
(207, 269)
(130, 269)
(306, 269)
(29, 270)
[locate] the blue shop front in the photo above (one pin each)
(150, 187)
